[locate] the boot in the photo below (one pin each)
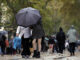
(70, 54)
(73, 54)
(38, 55)
(35, 53)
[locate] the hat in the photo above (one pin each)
(72, 25)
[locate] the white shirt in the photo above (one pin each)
(22, 30)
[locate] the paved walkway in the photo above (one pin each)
(44, 56)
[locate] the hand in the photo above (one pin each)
(17, 34)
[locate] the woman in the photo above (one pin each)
(37, 35)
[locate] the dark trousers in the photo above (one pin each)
(60, 47)
(72, 47)
(25, 46)
(3, 46)
(3, 49)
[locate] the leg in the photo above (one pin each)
(23, 46)
(27, 47)
(39, 44)
(70, 48)
(34, 44)
(39, 48)
(3, 50)
(73, 49)
(34, 48)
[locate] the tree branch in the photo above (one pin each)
(9, 4)
(44, 7)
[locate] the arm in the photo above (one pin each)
(18, 31)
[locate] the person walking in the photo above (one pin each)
(3, 39)
(72, 37)
(37, 34)
(61, 40)
(51, 44)
(24, 34)
(3, 44)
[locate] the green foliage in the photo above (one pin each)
(55, 13)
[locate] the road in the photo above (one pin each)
(44, 56)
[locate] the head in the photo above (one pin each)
(60, 29)
(53, 36)
(72, 26)
(2, 29)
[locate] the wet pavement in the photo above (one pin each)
(44, 56)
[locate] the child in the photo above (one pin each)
(51, 44)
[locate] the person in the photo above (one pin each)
(3, 39)
(51, 44)
(11, 45)
(61, 40)
(3, 45)
(37, 34)
(24, 34)
(72, 37)
(55, 49)
(46, 43)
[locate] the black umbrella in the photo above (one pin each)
(28, 16)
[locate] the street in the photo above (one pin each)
(44, 56)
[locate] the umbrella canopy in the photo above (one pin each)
(3, 32)
(28, 16)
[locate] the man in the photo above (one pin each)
(72, 37)
(61, 40)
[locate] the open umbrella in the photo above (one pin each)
(28, 16)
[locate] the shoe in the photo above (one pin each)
(38, 55)
(71, 54)
(27, 56)
(35, 54)
(23, 56)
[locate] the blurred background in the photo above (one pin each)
(55, 13)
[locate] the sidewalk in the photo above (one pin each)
(44, 56)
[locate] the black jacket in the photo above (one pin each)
(60, 37)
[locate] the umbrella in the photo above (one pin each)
(3, 33)
(28, 16)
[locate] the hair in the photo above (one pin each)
(60, 29)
